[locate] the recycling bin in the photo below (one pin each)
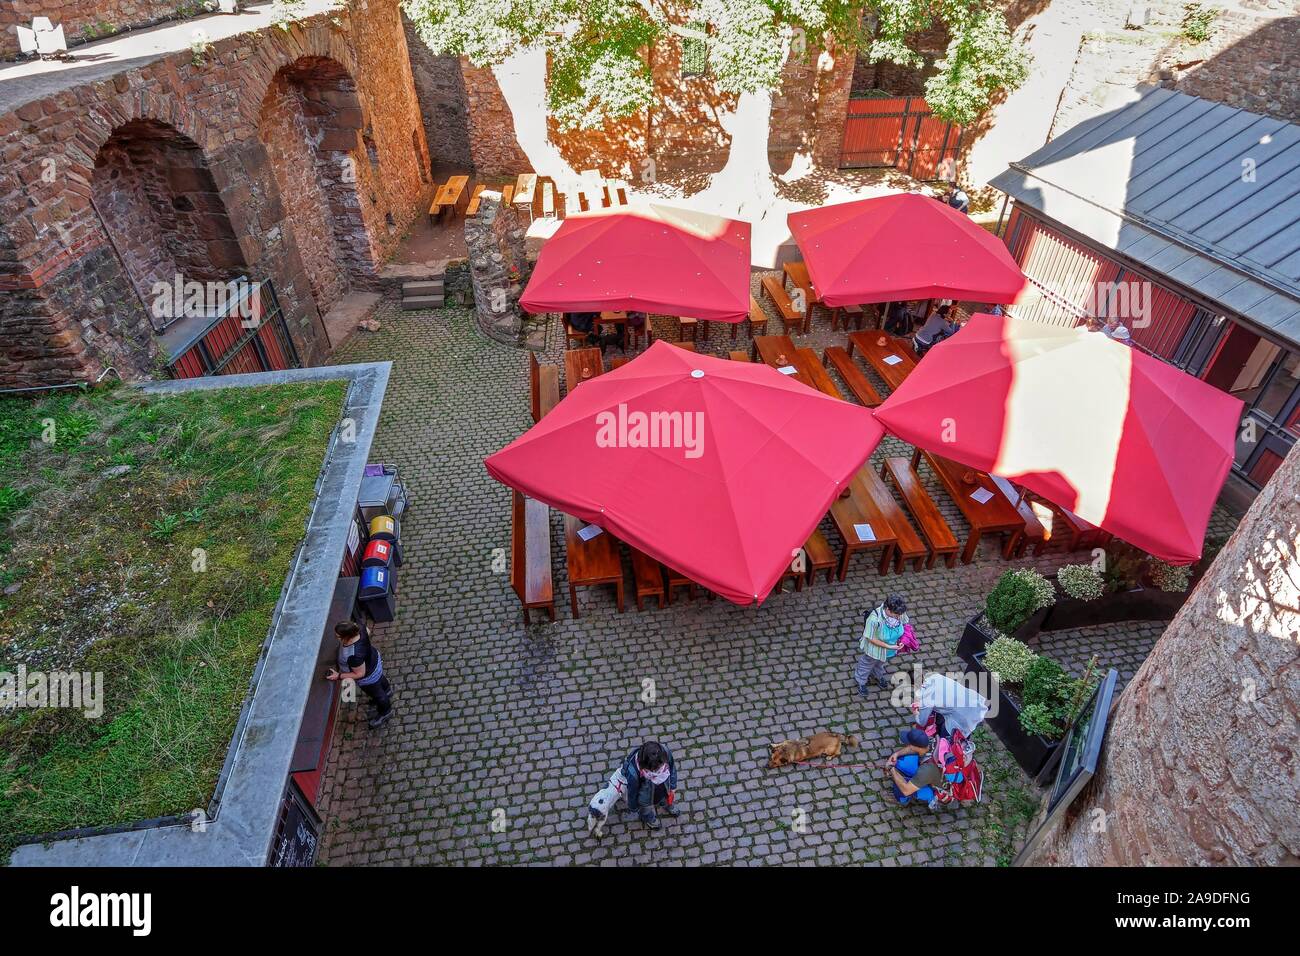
(383, 528)
(377, 593)
(378, 554)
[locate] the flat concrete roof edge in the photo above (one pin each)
(261, 751)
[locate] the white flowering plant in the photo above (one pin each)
(1081, 581)
(1008, 658)
(1169, 577)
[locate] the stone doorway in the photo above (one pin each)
(313, 128)
(161, 208)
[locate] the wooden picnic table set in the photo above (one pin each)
(888, 507)
(888, 513)
(535, 196)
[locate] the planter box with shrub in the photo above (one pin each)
(1031, 751)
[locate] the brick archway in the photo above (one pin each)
(313, 128)
(153, 189)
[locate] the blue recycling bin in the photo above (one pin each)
(377, 593)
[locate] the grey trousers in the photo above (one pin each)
(868, 669)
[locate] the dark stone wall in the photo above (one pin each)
(206, 196)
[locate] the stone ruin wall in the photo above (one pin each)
(499, 266)
(1251, 61)
(229, 186)
(86, 20)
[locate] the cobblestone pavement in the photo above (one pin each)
(503, 733)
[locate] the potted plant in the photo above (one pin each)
(1016, 606)
(1037, 700)
(1132, 587)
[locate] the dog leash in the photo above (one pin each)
(835, 766)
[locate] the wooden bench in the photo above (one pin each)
(507, 194)
(678, 580)
(789, 315)
(738, 356)
(796, 573)
(525, 190)
(757, 320)
(943, 543)
(909, 546)
(851, 313)
(544, 384)
(474, 200)
(530, 555)
(649, 576)
(819, 557)
(1079, 533)
(852, 375)
(1034, 533)
(688, 346)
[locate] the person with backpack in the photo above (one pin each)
(882, 629)
(915, 777)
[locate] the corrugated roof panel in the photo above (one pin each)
(1210, 127)
(1290, 266)
(1264, 236)
(1215, 165)
(1096, 130)
(1171, 257)
(1276, 310)
(1240, 193)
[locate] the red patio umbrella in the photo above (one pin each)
(650, 258)
(1121, 439)
(900, 247)
(725, 485)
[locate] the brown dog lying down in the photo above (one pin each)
(825, 744)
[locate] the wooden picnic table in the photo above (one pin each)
(859, 507)
(448, 196)
(993, 516)
(770, 348)
(893, 372)
(591, 562)
(797, 273)
(817, 374)
(525, 189)
(580, 361)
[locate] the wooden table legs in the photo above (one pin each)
(618, 591)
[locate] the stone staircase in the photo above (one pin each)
(423, 293)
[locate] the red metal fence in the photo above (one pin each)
(234, 344)
(900, 132)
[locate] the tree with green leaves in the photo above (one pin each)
(596, 48)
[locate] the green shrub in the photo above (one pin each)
(1049, 697)
(1037, 719)
(1015, 598)
(1198, 22)
(1081, 581)
(1125, 566)
(1044, 681)
(1009, 659)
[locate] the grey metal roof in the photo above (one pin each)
(1206, 194)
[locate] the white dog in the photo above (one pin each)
(605, 801)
